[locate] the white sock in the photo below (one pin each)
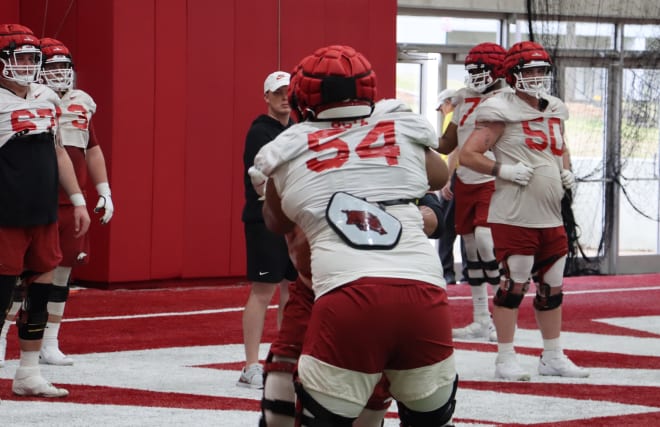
(480, 302)
(50, 335)
(10, 319)
(29, 359)
(552, 347)
(60, 278)
(506, 347)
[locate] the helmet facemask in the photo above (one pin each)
(537, 85)
(479, 77)
(57, 73)
(21, 64)
(483, 64)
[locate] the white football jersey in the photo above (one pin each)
(464, 119)
(77, 111)
(36, 113)
(378, 158)
(534, 138)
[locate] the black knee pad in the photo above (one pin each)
(492, 266)
(439, 417)
(7, 286)
(276, 406)
(493, 280)
(544, 301)
(506, 298)
(31, 320)
(473, 265)
(58, 294)
(321, 417)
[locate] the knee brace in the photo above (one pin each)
(58, 294)
(439, 417)
(544, 301)
(32, 318)
(493, 271)
(320, 416)
(512, 294)
(7, 286)
(277, 405)
(474, 279)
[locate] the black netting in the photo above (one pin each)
(623, 165)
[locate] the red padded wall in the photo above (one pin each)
(10, 11)
(178, 83)
(169, 184)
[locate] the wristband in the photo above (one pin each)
(77, 199)
(103, 189)
(496, 169)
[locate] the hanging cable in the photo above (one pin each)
(530, 13)
(63, 20)
(43, 25)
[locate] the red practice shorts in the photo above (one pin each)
(34, 248)
(542, 243)
(297, 312)
(71, 247)
(291, 335)
(472, 201)
(374, 324)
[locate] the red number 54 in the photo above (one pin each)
(366, 149)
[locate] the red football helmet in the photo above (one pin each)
(336, 82)
(57, 68)
(484, 66)
(296, 73)
(19, 54)
(525, 55)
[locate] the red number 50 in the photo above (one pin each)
(538, 139)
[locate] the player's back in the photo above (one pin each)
(380, 158)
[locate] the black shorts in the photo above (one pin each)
(267, 255)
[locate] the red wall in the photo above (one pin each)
(178, 83)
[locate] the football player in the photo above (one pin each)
(472, 189)
(349, 178)
(33, 165)
(77, 109)
(524, 130)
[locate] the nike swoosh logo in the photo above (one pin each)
(263, 273)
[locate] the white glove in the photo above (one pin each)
(518, 173)
(568, 179)
(105, 202)
(258, 180)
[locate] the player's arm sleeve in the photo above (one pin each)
(274, 217)
(287, 146)
(493, 109)
(419, 130)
